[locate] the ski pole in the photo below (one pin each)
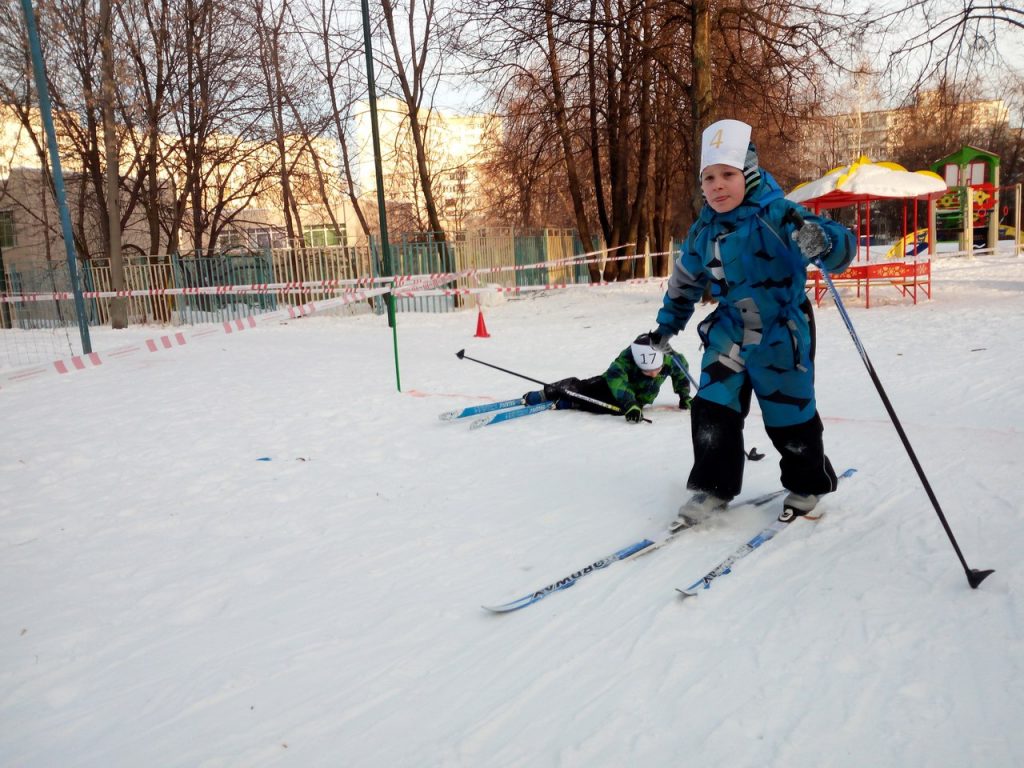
(974, 576)
(685, 369)
(461, 354)
(752, 454)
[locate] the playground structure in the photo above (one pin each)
(974, 207)
(1006, 232)
(859, 185)
(909, 245)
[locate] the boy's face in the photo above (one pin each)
(723, 186)
(651, 374)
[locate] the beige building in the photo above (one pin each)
(245, 186)
(456, 145)
(25, 212)
(832, 141)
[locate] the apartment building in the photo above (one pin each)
(830, 141)
(243, 192)
(456, 145)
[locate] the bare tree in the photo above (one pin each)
(279, 80)
(218, 162)
(332, 50)
(415, 58)
(118, 309)
(533, 50)
(630, 84)
(523, 177)
(151, 63)
(948, 40)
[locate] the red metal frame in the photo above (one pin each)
(906, 276)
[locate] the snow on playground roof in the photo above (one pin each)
(865, 180)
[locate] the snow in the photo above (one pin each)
(168, 599)
(867, 178)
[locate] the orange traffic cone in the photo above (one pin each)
(481, 327)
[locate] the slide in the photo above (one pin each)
(1006, 232)
(909, 245)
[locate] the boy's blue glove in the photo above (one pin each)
(812, 240)
(634, 414)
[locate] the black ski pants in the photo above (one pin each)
(719, 456)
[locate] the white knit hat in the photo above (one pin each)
(724, 142)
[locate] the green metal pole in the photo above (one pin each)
(58, 176)
(5, 310)
(379, 171)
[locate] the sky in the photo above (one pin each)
(253, 550)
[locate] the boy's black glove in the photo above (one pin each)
(684, 402)
(634, 414)
(660, 340)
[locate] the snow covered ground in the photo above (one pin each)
(167, 598)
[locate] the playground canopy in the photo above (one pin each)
(864, 181)
(861, 183)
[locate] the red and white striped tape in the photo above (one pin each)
(427, 286)
(313, 286)
(178, 339)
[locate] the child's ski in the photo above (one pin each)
(635, 549)
(649, 545)
(762, 536)
(473, 410)
(515, 413)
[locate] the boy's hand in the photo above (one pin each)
(634, 414)
(660, 341)
(684, 402)
(812, 240)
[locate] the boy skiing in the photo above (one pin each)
(631, 382)
(746, 246)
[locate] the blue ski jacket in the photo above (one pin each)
(758, 334)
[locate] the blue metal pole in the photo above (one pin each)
(39, 72)
(679, 364)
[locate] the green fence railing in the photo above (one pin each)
(486, 252)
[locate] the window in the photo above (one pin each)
(7, 238)
(267, 237)
(317, 235)
(256, 238)
(232, 238)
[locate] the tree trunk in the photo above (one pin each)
(411, 95)
(702, 98)
(562, 124)
(118, 310)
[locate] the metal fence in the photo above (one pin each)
(493, 249)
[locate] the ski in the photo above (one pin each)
(637, 548)
(514, 413)
(474, 410)
(761, 537)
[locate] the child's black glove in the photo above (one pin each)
(634, 414)
(684, 402)
(660, 340)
